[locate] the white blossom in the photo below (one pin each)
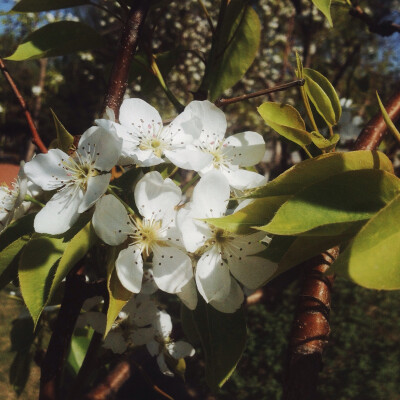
(220, 253)
(146, 141)
(207, 123)
(11, 199)
(79, 179)
(155, 234)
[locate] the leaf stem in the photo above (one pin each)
(308, 108)
(128, 208)
(209, 20)
(32, 200)
(190, 183)
(307, 152)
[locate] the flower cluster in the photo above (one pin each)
(164, 241)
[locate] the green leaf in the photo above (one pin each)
(22, 334)
(8, 268)
(277, 247)
(323, 96)
(37, 267)
(324, 144)
(325, 7)
(319, 168)
(347, 197)
(77, 352)
(118, 295)
(285, 120)
(45, 5)
(45, 262)
(259, 212)
(223, 338)
(239, 52)
(388, 121)
(22, 226)
(64, 139)
(57, 39)
(372, 258)
(19, 371)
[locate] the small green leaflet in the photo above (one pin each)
(325, 7)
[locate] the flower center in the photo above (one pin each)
(146, 234)
(220, 156)
(80, 173)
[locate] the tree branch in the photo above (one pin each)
(35, 135)
(384, 28)
(129, 39)
(311, 329)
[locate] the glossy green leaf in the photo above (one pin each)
(344, 198)
(57, 39)
(8, 268)
(38, 264)
(118, 295)
(319, 168)
(223, 338)
(45, 5)
(259, 212)
(285, 120)
(372, 258)
(64, 139)
(77, 352)
(325, 144)
(325, 7)
(323, 96)
(388, 121)
(22, 226)
(238, 52)
(277, 247)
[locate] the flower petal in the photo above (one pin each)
(188, 295)
(154, 196)
(210, 196)
(129, 267)
(163, 365)
(172, 268)
(189, 158)
(180, 349)
(212, 276)
(137, 114)
(153, 347)
(142, 336)
(96, 187)
(142, 310)
(246, 148)
(47, 170)
(163, 324)
(115, 342)
(242, 179)
(60, 213)
(233, 300)
(252, 271)
(110, 220)
(148, 284)
(145, 158)
(101, 147)
(249, 244)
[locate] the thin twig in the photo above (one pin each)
(224, 102)
(129, 39)
(382, 28)
(105, 9)
(35, 135)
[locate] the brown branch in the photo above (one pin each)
(373, 133)
(129, 39)
(225, 102)
(311, 329)
(384, 28)
(35, 135)
(76, 292)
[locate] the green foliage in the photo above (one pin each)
(118, 295)
(323, 96)
(222, 337)
(64, 139)
(372, 258)
(325, 7)
(57, 39)
(45, 5)
(238, 51)
(22, 226)
(331, 204)
(324, 144)
(77, 352)
(287, 121)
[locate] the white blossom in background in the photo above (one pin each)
(11, 199)
(227, 155)
(146, 142)
(158, 342)
(156, 233)
(79, 179)
(223, 257)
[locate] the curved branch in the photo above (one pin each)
(35, 135)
